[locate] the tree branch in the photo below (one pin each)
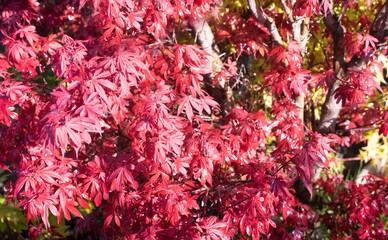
(287, 10)
(331, 109)
(204, 35)
(222, 93)
(268, 22)
(301, 34)
(379, 27)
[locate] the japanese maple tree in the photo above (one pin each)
(194, 119)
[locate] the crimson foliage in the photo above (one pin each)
(355, 210)
(107, 106)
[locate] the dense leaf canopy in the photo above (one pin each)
(194, 119)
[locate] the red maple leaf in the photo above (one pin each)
(77, 130)
(211, 229)
(98, 82)
(29, 33)
(40, 205)
(121, 177)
